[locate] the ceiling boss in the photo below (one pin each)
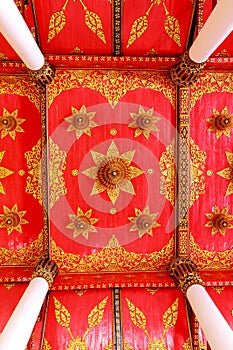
(112, 172)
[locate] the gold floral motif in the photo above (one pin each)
(172, 27)
(16, 85)
(168, 171)
(187, 345)
(63, 318)
(4, 172)
(57, 22)
(46, 345)
(93, 22)
(221, 122)
(113, 88)
(3, 57)
(197, 159)
(33, 159)
(210, 260)
(82, 223)
(10, 123)
(57, 163)
(112, 172)
(139, 320)
(9, 285)
(209, 83)
(144, 122)
(144, 222)
(227, 173)
(219, 220)
(81, 121)
(25, 256)
(12, 219)
(218, 290)
(114, 258)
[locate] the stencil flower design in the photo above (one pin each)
(81, 121)
(12, 219)
(219, 220)
(10, 123)
(144, 221)
(4, 172)
(82, 223)
(144, 122)
(221, 122)
(227, 173)
(112, 172)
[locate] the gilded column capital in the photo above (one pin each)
(44, 75)
(186, 72)
(46, 269)
(185, 273)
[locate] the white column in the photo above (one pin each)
(216, 329)
(217, 27)
(17, 33)
(17, 331)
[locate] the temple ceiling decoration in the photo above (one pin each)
(113, 169)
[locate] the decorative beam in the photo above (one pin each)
(117, 27)
(18, 329)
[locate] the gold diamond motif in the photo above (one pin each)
(144, 221)
(81, 121)
(219, 220)
(10, 124)
(82, 223)
(113, 172)
(12, 219)
(221, 122)
(4, 172)
(144, 122)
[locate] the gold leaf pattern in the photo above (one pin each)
(61, 313)
(96, 315)
(94, 23)
(172, 28)
(56, 24)
(138, 28)
(170, 316)
(136, 315)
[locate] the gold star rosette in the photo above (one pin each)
(12, 219)
(82, 223)
(221, 122)
(112, 172)
(219, 220)
(227, 173)
(144, 221)
(81, 121)
(10, 123)
(144, 122)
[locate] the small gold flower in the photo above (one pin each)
(81, 121)
(219, 220)
(144, 122)
(221, 122)
(12, 219)
(113, 172)
(157, 345)
(10, 124)
(144, 221)
(82, 223)
(77, 344)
